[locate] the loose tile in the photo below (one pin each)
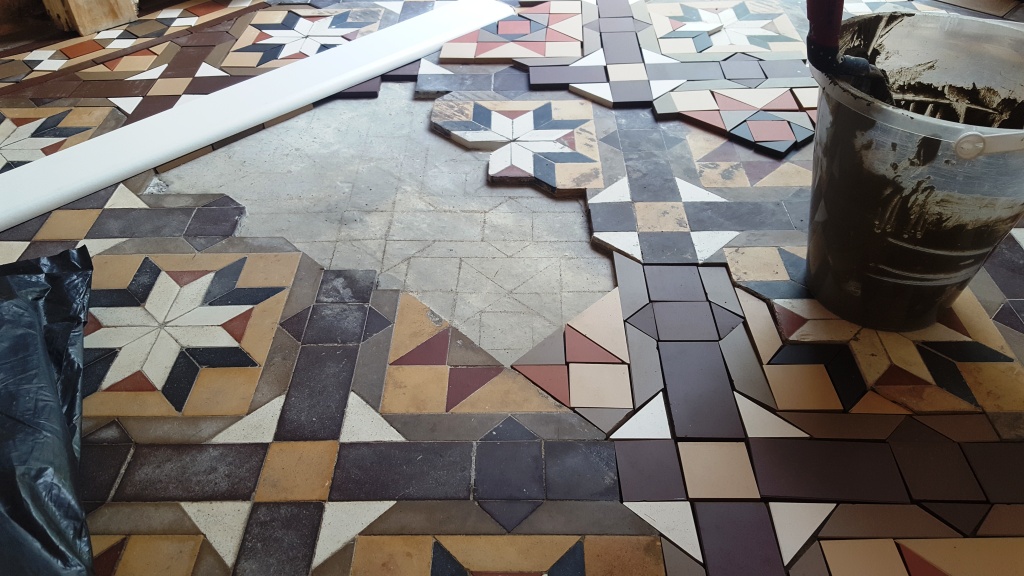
(964, 556)
(173, 555)
(996, 467)
(509, 471)
(612, 555)
(717, 470)
(964, 517)
(678, 563)
(341, 522)
(1003, 520)
(602, 324)
(597, 517)
(600, 386)
(509, 513)
(508, 553)
(648, 423)
(674, 283)
(508, 392)
(688, 321)
(795, 523)
(745, 368)
(649, 471)
(849, 557)
(433, 517)
(883, 520)
(315, 405)
(802, 387)
(760, 423)
(580, 471)
(391, 555)
(722, 524)
(698, 391)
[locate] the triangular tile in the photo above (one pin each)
(152, 74)
(625, 243)
(442, 563)
(509, 513)
(127, 104)
(708, 243)
(725, 321)
(258, 427)
(296, 325)
(644, 321)
(205, 70)
(593, 59)
(709, 117)
(872, 403)
(464, 352)
(572, 563)
(237, 326)
(553, 379)
(811, 563)
(896, 376)
(579, 348)
(134, 382)
(679, 563)
(733, 118)
(508, 392)
(105, 562)
(509, 430)
(429, 68)
(599, 92)
(617, 192)
(964, 517)
(342, 521)
(788, 322)
(795, 523)
(433, 352)
(605, 419)
(760, 423)
(363, 424)
(124, 198)
(602, 323)
(648, 423)
(693, 193)
(375, 323)
(918, 566)
(550, 351)
(223, 524)
(112, 433)
(464, 381)
(674, 520)
(414, 325)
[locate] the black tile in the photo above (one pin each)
(111, 433)
(176, 473)
(509, 513)
(667, 248)
(279, 539)
(699, 392)
(315, 404)
(95, 372)
(737, 216)
(846, 378)
(221, 358)
(621, 48)
(562, 76)
(296, 325)
(580, 471)
(141, 223)
(614, 9)
(346, 286)
(509, 430)
(777, 290)
(100, 467)
(42, 249)
(796, 267)
(999, 468)
(246, 296)
(403, 471)
(572, 563)
(215, 222)
(806, 353)
(612, 217)
(375, 322)
(936, 471)
(442, 563)
(967, 351)
(674, 283)
(947, 375)
(509, 471)
(405, 73)
(112, 299)
(224, 280)
(182, 378)
(688, 321)
(335, 324)
(827, 470)
(738, 539)
(92, 201)
(649, 471)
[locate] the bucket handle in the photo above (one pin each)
(970, 145)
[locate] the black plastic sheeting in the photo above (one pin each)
(43, 311)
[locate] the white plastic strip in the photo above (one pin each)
(53, 181)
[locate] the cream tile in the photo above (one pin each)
(870, 354)
(626, 72)
(259, 426)
(363, 424)
(760, 423)
(10, 251)
(872, 403)
(661, 217)
(722, 174)
(649, 422)
(925, 399)
(752, 264)
(414, 325)
(674, 520)
(223, 524)
(602, 322)
(342, 521)
(761, 325)
(717, 470)
(998, 386)
(600, 386)
(973, 316)
(795, 523)
(860, 557)
(825, 331)
(904, 354)
(802, 387)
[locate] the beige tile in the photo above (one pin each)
(661, 217)
(626, 72)
(870, 355)
(259, 333)
(101, 544)
(392, 556)
(722, 174)
(872, 403)
(127, 404)
(903, 353)
(600, 386)
(925, 399)
(67, 225)
(717, 470)
(978, 324)
(970, 556)
(164, 555)
(787, 175)
(414, 325)
(269, 270)
(619, 555)
(295, 471)
(825, 331)
(802, 387)
(998, 386)
(863, 557)
(602, 322)
(752, 264)
(415, 390)
(507, 553)
(508, 392)
(222, 392)
(579, 176)
(761, 325)
(808, 308)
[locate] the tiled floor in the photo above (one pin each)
(469, 388)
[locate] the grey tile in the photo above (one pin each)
(674, 283)
(688, 321)
(141, 223)
(580, 471)
(631, 92)
(704, 216)
(178, 473)
(719, 288)
(667, 248)
(509, 471)
(560, 426)
(548, 77)
(318, 394)
(215, 221)
(403, 471)
(612, 217)
(567, 517)
(346, 286)
(434, 517)
(629, 276)
(645, 365)
(745, 367)
(738, 538)
(699, 394)
(614, 9)
(279, 539)
(335, 324)
(371, 366)
(621, 48)
(444, 426)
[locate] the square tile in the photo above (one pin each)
(612, 217)
(649, 471)
(335, 324)
(346, 286)
(509, 471)
(674, 283)
(626, 72)
(853, 557)
(718, 470)
(770, 130)
(668, 248)
(415, 390)
(600, 386)
(616, 555)
(580, 471)
(661, 217)
(297, 471)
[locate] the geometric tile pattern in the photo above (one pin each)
(30, 135)
(549, 29)
(549, 143)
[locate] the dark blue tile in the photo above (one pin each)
(509, 471)
(581, 471)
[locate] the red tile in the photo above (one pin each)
(183, 277)
(556, 36)
(205, 8)
(786, 102)
(918, 566)
(81, 49)
(514, 27)
(237, 325)
(896, 376)
(789, 322)
(552, 379)
(136, 382)
(92, 324)
(726, 103)
(105, 563)
(52, 148)
(709, 117)
(770, 130)
(579, 348)
(462, 382)
(433, 352)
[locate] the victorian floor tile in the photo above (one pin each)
(509, 513)
(984, 555)
(509, 471)
(717, 471)
(602, 323)
(508, 553)
(631, 280)
(103, 464)
(315, 404)
(696, 370)
(802, 387)
(849, 557)
(433, 517)
(508, 392)
(761, 423)
(411, 470)
(224, 472)
(795, 523)
(845, 426)
(678, 563)
(611, 555)
(745, 369)
(172, 555)
(995, 466)
(674, 283)
(723, 523)
(810, 563)
(883, 521)
(278, 481)
(962, 516)
(580, 471)
(599, 386)
(1003, 520)
(649, 422)
(686, 321)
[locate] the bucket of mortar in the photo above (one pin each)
(909, 198)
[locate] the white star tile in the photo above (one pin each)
(202, 336)
(130, 359)
(208, 315)
(189, 297)
(123, 316)
(116, 337)
(161, 297)
(161, 359)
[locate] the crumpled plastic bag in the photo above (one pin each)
(43, 312)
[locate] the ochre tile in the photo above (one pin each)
(262, 326)
(904, 354)
(761, 325)
(67, 225)
(661, 217)
(100, 543)
(127, 404)
(507, 392)
(998, 386)
(870, 354)
(717, 470)
(415, 390)
(296, 471)
(758, 263)
(802, 387)
(973, 316)
(862, 557)
(507, 553)
(392, 555)
(925, 399)
(414, 325)
(619, 555)
(222, 392)
(269, 269)
(722, 175)
(602, 323)
(165, 555)
(169, 87)
(968, 556)
(872, 403)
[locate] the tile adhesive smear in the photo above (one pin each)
(55, 180)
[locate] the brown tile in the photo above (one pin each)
(999, 468)
(119, 89)
(699, 391)
(67, 225)
(962, 516)
(507, 553)
(998, 386)
(141, 518)
(1003, 520)
(962, 428)
(860, 557)
(845, 426)
(392, 556)
(81, 49)
(738, 539)
(649, 471)
(297, 471)
(414, 325)
(615, 555)
(509, 392)
(415, 390)
(883, 521)
(925, 399)
(969, 556)
(166, 555)
(802, 387)
(936, 471)
(169, 87)
(160, 103)
(717, 470)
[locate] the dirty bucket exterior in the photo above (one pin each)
(900, 223)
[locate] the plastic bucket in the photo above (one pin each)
(906, 207)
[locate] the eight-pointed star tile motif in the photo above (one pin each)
(717, 30)
(167, 325)
(551, 143)
(304, 32)
(23, 140)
